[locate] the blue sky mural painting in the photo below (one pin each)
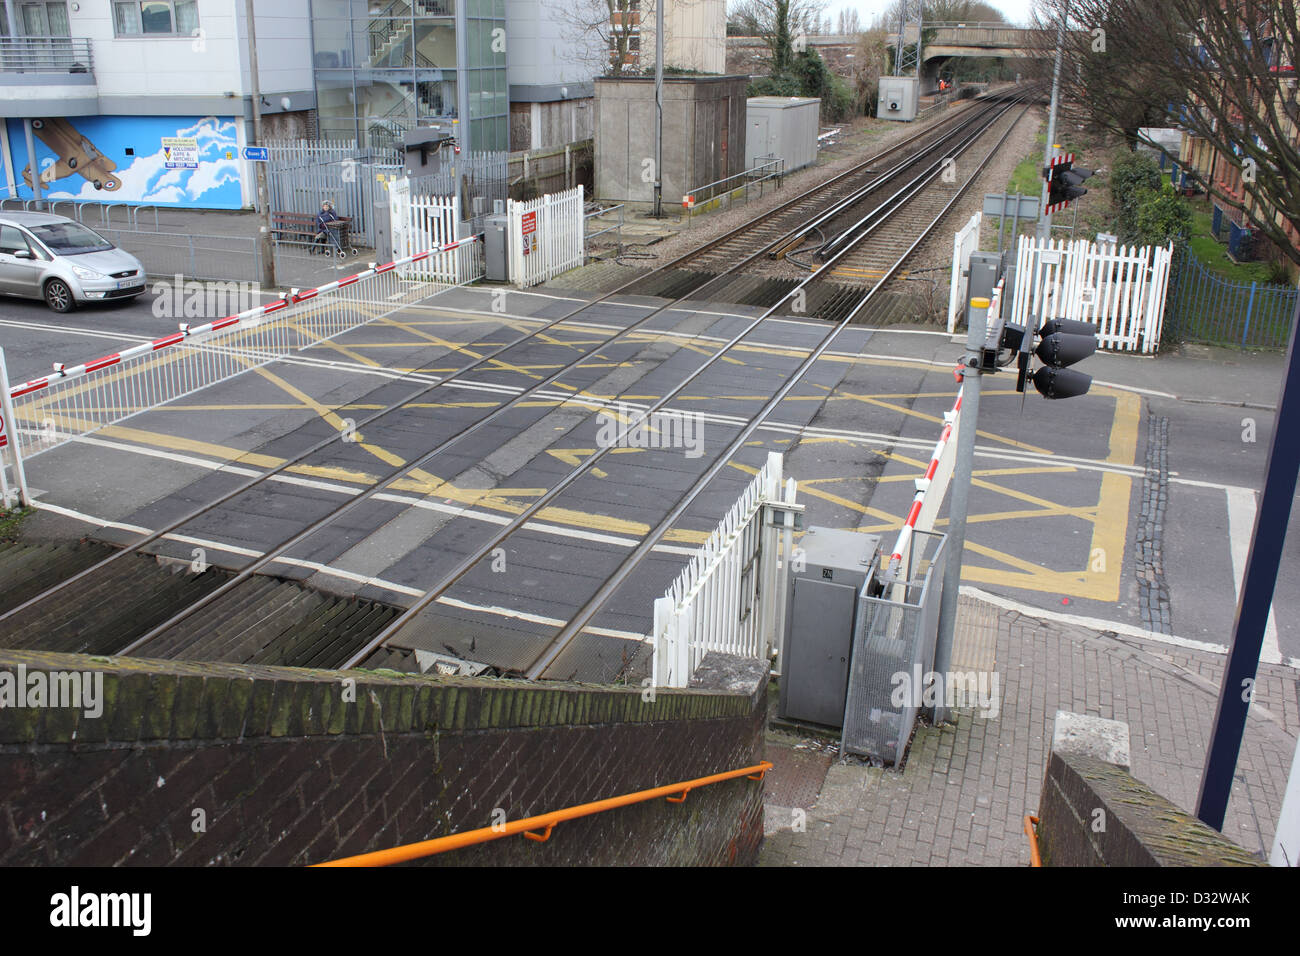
(168, 160)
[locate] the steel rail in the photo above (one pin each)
(400, 471)
(466, 564)
(589, 610)
(449, 380)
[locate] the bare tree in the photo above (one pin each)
(962, 11)
(850, 23)
(782, 24)
(870, 63)
(1223, 72)
(603, 32)
(610, 32)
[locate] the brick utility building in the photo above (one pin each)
(703, 135)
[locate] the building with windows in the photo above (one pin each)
(149, 101)
(695, 34)
(1235, 209)
(557, 49)
(145, 101)
(384, 66)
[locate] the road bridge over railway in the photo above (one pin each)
(943, 42)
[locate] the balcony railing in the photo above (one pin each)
(45, 55)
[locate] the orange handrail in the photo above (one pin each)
(1030, 823)
(545, 823)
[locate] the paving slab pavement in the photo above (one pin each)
(966, 786)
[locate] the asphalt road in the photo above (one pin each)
(1120, 506)
(34, 338)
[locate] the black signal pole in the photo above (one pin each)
(1256, 597)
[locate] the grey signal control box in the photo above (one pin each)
(898, 98)
(495, 247)
(820, 617)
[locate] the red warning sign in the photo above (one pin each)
(530, 232)
(4, 433)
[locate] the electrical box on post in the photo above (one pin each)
(828, 571)
(422, 148)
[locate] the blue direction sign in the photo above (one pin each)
(256, 154)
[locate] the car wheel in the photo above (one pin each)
(58, 296)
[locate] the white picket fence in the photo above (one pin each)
(430, 222)
(964, 242)
(1121, 290)
(547, 237)
(731, 596)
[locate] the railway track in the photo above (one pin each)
(843, 209)
(211, 620)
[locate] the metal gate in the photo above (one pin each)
(300, 174)
(429, 222)
(547, 236)
(966, 241)
(731, 596)
(1120, 290)
(76, 400)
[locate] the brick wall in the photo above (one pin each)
(205, 764)
(1093, 813)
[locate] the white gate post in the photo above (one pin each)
(9, 430)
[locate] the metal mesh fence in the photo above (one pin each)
(165, 254)
(893, 654)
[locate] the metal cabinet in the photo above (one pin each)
(825, 579)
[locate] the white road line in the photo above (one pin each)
(319, 568)
(1241, 526)
(426, 504)
(74, 330)
(1100, 624)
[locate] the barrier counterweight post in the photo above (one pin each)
(977, 319)
(10, 429)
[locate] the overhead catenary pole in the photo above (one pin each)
(659, 107)
(1049, 151)
(266, 245)
(1255, 600)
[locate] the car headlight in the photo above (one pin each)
(83, 273)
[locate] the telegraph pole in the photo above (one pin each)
(267, 245)
(1049, 151)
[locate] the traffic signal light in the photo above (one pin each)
(1064, 182)
(1062, 343)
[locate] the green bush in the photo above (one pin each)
(1132, 175)
(810, 76)
(1162, 216)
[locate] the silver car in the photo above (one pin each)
(61, 261)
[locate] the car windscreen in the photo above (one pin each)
(70, 238)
